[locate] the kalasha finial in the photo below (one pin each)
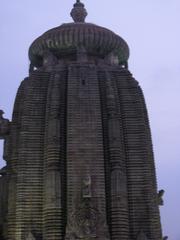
(78, 13)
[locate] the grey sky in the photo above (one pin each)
(151, 28)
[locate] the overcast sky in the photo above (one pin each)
(151, 28)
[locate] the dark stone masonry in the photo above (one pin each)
(78, 149)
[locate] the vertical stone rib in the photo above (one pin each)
(85, 154)
(3, 205)
(118, 198)
(138, 158)
(154, 215)
(12, 163)
(54, 165)
(136, 153)
(28, 209)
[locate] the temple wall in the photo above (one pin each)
(26, 171)
(13, 161)
(142, 191)
(81, 146)
(116, 177)
(85, 156)
(54, 203)
(3, 204)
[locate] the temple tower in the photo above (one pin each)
(78, 149)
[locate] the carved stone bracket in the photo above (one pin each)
(4, 126)
(160, 197)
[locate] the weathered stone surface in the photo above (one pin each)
(30, 236)
(78, 13)
(142, 236)
(79, 154)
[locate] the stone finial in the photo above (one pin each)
(78, 12)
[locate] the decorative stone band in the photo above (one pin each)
(67, 38)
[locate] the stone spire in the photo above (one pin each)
(78, 12)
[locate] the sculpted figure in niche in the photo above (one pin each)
(87, 187)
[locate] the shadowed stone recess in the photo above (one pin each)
(79, 155)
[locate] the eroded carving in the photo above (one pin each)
(160, 197)
(81, 54)
(86, 222)
(30, 236)
(87, 187)
(78, 13)
(142, 236)
(112, 59)
(4, 126)
(49, 59)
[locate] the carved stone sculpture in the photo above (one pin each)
(78, 13)
(87, 187)
(4, 126)
(160, 197)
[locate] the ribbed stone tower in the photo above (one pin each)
(78, 149)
